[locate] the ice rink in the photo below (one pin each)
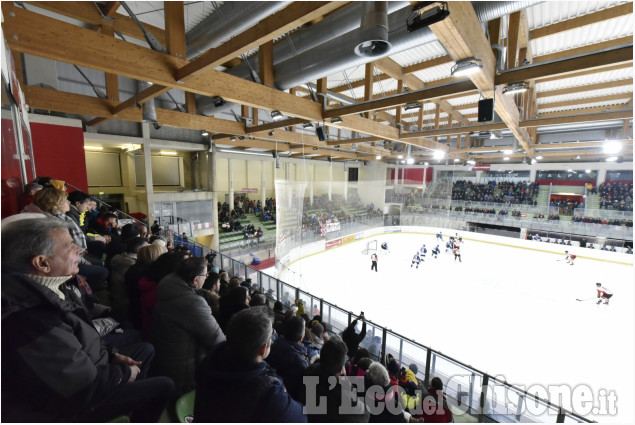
(504, 310)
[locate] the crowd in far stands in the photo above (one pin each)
(596, 220)
(501, 192)
(616, 196)
(166, 323)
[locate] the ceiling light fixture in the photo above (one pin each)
(456, 160)
(438, 155)
(170, 153)
(204, 133)
(243, 152)
(335, 120)
(412, 106)
(508, 151)
(539, 157)
(516, 87)
(410, 161)
(307, 125)
(471, 162)
(399, 156)
(420, 18)
(506, 158)
(611, 158)
(93, 148)
(272, 132)
(466, 66)
(276, 116)
(533, 161)
(378, 157)
(232, 138)
(612, 147)
(588, 171)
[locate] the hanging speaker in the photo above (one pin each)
(321, 133)
(485, 110)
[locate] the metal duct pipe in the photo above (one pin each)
(231, 19)
(337, 55)
(373, 30)
(148, 113)
(333, 26)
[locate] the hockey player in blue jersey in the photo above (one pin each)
(436, 251)
(416, 259)
(424, 251)
(448, 247)
(440, 235)
(384, 246)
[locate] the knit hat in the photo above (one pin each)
(58, 184)
(393, 367)
(317, 329)
(129, 231)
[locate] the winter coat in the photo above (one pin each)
(183, 332)
(338, 395)
(290, 360)
(390, 397)
(149, 299)
(352, 338)
(231, 390)
(435, 408)
(118, 291)
(54, 367)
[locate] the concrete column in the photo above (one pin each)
(330, 180)
(212, 184)
(313, 173)
(263, 187)
(479, 174)
(601, 176)
(230, 180)
(396, 179)
(532, 175)
(345, 187)
(147, 162)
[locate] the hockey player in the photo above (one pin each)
(569, 258)
(373, 258)
(448, 247)
(416, 259)
(436, 251)
(603, 293)
(384, 246)
(440, 236)
(457, 253)
(424, 251)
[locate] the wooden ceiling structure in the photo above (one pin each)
(375, 119)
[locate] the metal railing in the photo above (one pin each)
(470, 390)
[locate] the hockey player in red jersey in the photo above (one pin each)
(569, 258)
(603, 293)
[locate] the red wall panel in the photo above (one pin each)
(12, 184)
(59, 153)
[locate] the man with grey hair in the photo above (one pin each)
(55, 367)
(235, 384)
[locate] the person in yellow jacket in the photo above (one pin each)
(408, 386)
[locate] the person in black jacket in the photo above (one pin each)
(235, 384)
(289, 356)
(352, 338)
(54, 367)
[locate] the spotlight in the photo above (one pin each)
(274, 154)
(307, 125)
(611, 158)
(204, 133)
(399, 156)
(418, 19)
(336, 146)
(156, 126)
(456, 160)
(516, 87)
(506, 158)
(412, 106)
(241, 137)
(232, 138)
(466, 66)
(588, 171)
(438, 155)
(272, 132)
(378, 157)
(471, 162)
(276, 116)
(410, 161)
(539, 157)
(612, 147)
(315, 148)
(335, 120)
(533, 161)
(507, 151)
(330, 159)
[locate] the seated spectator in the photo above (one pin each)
(237, 299)
(314, 339)
(354, 368)
(435, 406)
(119, 266)
(166, 264)
(28, 196)
(326, 378)
(351, 338)
(289, 357)
(79, 381)
(183, 328)
(235, 384)
(384, 404)
(145, 257)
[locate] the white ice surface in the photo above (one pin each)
(504, 310)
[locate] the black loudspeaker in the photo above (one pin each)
(365, 162)
(485, 110)
(321, 133)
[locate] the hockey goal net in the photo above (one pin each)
(371, 247)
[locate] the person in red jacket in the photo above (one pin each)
(435, 406)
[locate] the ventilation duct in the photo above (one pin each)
(336, 55)
(229, 20)
(148, 113)
(373, 30)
